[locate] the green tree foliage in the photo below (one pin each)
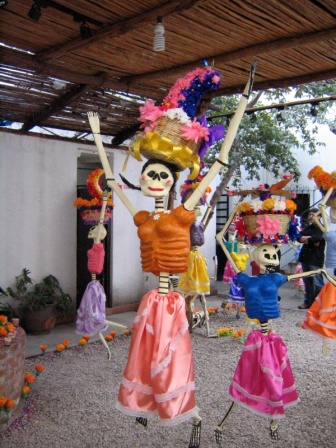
(267, 139)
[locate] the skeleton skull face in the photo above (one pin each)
(266, 257)
(156, 181)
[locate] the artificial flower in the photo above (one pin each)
(315, 172)
(290, 205)
(195, 131)
(113, 333)
(245, 207)
(108, 338)
(43, 347)
(25, 391)
(267, 226)
(127, 332)
(39, 369)
(82, 342)
(257, 206)
(3, 319)
(29, 379)
(66, 343)
(3, 331)
(2, 402)
(280, 205)
(59, 348)
(177, 114)
(9, 405)
(149, 112)
(268, 204)
(86, 337)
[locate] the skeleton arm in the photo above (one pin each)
(223, 157)
(100, 231)
(111, 182)
(322, 212)
(310, 273)
(220, 239)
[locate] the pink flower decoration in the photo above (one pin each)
(216, 79)
(149, 112)
(267, 226)
(195, 131)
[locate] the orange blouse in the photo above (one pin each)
(164, 239)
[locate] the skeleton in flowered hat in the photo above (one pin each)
(263, 381)
(158, 380)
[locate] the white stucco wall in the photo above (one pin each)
(38, 179)
(38, 223)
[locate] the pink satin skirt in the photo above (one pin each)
(159, 376)
(263, 381)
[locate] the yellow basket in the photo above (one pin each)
(250, 222)
(172, 129)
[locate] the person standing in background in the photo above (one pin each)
(311, 258)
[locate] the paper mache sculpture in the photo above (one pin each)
(158, 380)
(263, 381)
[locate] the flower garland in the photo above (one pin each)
(190, 185)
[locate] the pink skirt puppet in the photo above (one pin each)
(158, 380)
(264, 357)
(91, 317)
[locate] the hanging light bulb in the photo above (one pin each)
(159, 43)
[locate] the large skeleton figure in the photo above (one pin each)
(159, 376)
(264, 357)
(91, 312)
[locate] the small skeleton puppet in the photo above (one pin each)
(264, 357)
(195, 282)
(158, 380)
(91, 316)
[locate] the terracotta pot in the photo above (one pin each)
(40, 321)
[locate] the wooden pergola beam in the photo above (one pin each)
(117, 29)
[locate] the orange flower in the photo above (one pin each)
(315, 172)
(59, 348)
(290, 205)
(245, 207)
(82, 342)
(3, 319)
(11, 328)
(2, 401)
(127, 332)
(243, 309)
(29, 378)
(43, 347)
(113, 333)
(39, 369)
(323, 181)
(108, 338)
(268, 204)
(25, 391)
(3, 331)
(86, 337)
(9, 405)
(333, 179)
(66, 343)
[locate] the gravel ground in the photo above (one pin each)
(72, 403)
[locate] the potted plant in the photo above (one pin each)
(39, 302)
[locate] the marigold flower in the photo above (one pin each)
(59, 348)
(2, 401)
(268, 204)
(82, 342)
(3, 331)
(25, 391)
(315, 172)
(39, 369)
(11, 328)
(3, 319)
(43, 347)
(290, 205)
(245, 207)
(108, 338)
(29, 379)
(66, 343)
(127, 332)
(86, 337)
(9, 405)
(113, 333)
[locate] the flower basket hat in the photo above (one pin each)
(171, 131)
(266, 219)
(90, 209)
